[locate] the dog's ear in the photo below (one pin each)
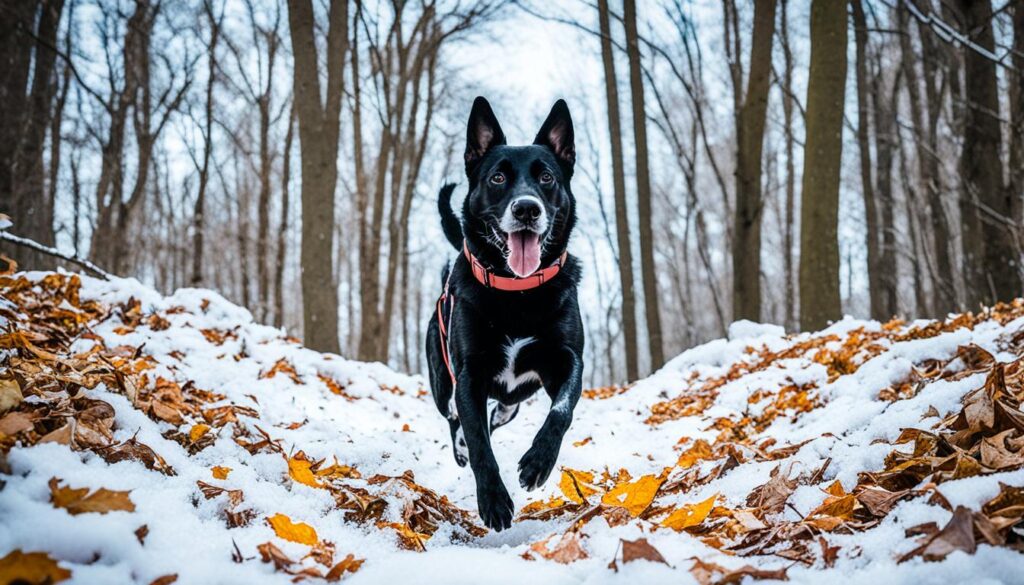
(482, 133)
(557, 134)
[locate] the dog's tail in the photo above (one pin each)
(449, 222)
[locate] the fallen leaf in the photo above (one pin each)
(957, 534)
(634, 496)
(31, 568)
(220, 472)
(771, 497)
(80, 501)
(640, 549)
(577, 485)
(294, 531)
(165, 580)
(569, 548)
(689, 515)
(197, 432)
(699, 451)
(350, 564)
(299, 468)
(10, 394)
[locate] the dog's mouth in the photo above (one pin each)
(524, 250)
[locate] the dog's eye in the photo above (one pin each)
(498, 178)
(546, 178)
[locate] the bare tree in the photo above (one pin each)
(643, 188)
(746, 251)
(625, 246)
(819, 245)
(319, 126)
(985, 202)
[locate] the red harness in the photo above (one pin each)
(487, 278)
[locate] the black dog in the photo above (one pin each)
(508, 321)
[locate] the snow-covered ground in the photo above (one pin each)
(843, 395)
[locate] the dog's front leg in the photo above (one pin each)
(539, 460)
(492, 498)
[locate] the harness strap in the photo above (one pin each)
(445, 352)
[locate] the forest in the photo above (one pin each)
(799, 234)
(288, 156)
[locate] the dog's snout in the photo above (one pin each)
(526, 210)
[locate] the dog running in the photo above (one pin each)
(508, 321)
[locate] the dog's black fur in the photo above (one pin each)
(486, 322)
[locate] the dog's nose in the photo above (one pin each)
(526, 209)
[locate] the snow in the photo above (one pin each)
(188, 536)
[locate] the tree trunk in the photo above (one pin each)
(318, 138)
(282, 231)
(866, 177)
(611, 87)
(643, 189)
(1017, 119)
(928, 173)
(819, 218)
(990, 261)
(746, 250)
(28, 85)
(788, 100)
(199, 211)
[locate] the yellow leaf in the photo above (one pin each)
(339, 471)
(299, 470)
(294, 531)
(220, 472)
(76, 500)
(689, 515)
(634, 496)
(577, 485)
(197, 432)
(33, 567)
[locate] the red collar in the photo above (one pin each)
(490, 280)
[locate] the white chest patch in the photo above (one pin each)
(507, 376)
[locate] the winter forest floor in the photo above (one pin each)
(153, 439)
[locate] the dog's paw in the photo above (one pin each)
(536, 465)
(495, 506)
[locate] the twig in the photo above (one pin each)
(34, 245)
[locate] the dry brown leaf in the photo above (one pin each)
(568, 550)
(957, 534)
(80, 501)
(165, 580)
(771, 497)
(640, 549)
(350, 564)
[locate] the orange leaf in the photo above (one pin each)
(634, 496)
(197, 432)
(699, 451)
(577, 485)
(220, 472)
(299, 470)
(80, 501)
(294, 531)
(34, 567)
(689, 515)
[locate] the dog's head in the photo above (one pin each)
(520, 209)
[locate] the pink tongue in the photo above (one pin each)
(524, 252)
